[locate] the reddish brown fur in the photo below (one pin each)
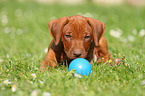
(76, 37)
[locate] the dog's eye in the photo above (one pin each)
(87, 37)
(68, 36)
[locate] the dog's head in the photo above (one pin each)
(77, 33)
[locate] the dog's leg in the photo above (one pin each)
(49, 60)
(102, 51)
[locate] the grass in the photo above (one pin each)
(25, 36)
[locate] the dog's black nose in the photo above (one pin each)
(77, 53)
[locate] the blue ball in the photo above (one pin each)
(81, 65)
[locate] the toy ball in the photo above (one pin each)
(81, 65)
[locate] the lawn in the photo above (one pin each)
(24, 37)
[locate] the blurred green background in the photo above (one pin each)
(24, 38)
(24, 23)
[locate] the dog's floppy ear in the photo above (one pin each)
(56, 27)
(98, 28)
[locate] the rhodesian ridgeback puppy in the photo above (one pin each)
(76, 37)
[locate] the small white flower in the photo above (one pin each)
(143, 82)
(131, 38)
(7, 30)
(142, 32)
(41, 82)
(14, 88)
(1, 60)
(46, 50)
(34, 76)
(46, 94)
(34, 93)
(116, 33)
(7, 82)
(77, 75)
(4, 20)
(110, 61)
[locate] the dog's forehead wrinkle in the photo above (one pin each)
(79, 26)
(76, 27)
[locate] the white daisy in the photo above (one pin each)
(4, 20)
(77, 75)
(143, 82)
(34, 93)
(7, 82)
(110, 61)
(1, 60)
(7, 30)
(142, 32)
(46, 94)
(116, 33)
(14, 88)
(34, 76)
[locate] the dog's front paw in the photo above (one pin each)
(118, 61)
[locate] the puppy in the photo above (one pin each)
(76, 37)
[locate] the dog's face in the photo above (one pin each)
(77, 37)
(77, 33)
